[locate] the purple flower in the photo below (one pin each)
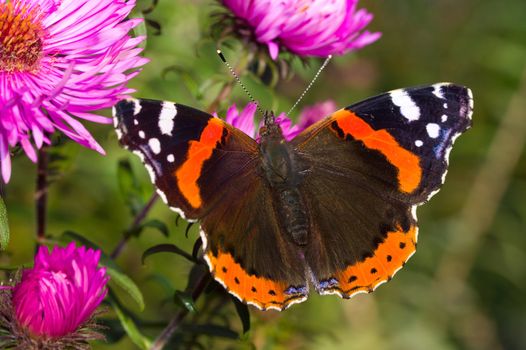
(308, 116)
(60, 292)
(304, 27)
(59, 61)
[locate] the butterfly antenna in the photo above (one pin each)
(233, 72)
(325, 63)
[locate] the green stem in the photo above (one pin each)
(41, 194)
(167, 333)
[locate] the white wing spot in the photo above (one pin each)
(135, 122)
(155, 145)
(170, 158)
(445, 105)
(142, 134)
(136, 107)
(419, 143)
(408, 108)
(433, 130)
(114, 114)
(437, 91)
(444, 118)
(166, 118)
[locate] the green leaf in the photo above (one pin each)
(4, 226)
(155, 25)
(244, 315)
(126, 284)
(140, 30)
(185, 300)
(131, 328)
(159, 225)
(129, 186)
(167, 248)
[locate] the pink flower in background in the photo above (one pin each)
(308, 116)
(59, 61)
(60, 292)
(305, 27)
(245, 121)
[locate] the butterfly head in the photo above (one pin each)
(270, 129)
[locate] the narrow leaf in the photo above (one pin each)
(131, 328)
(127, 285)
(159, 225)
(243, 313)
(167, 248)
(140, 30)
(4, 226)
(155, 25)
(188, 226)
(185, 300)
(197, 246)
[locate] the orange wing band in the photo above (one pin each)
(389, 257)
(198, 152)
(407, 163)
(258, 291)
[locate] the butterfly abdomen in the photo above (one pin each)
(294, 217)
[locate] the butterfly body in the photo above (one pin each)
(284, 174)
(333, 209)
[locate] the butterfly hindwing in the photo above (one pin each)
(249, 250)
(371, 164)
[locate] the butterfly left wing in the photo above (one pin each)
(371, 164)
(207, 170)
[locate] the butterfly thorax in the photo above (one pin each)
(284, 174)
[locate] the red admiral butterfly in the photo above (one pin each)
(334, 208)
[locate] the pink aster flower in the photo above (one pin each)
(304, 27)
(245, 121)
(59, 61)
(61, 292)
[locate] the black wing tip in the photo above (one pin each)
(124, 109)
(464, 96)
(124, 112)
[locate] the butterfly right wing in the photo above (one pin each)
(371, 165)
(207, 170)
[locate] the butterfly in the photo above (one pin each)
(333, 209)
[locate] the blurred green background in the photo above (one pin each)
(466, 286)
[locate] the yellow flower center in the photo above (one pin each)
(20, 38)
